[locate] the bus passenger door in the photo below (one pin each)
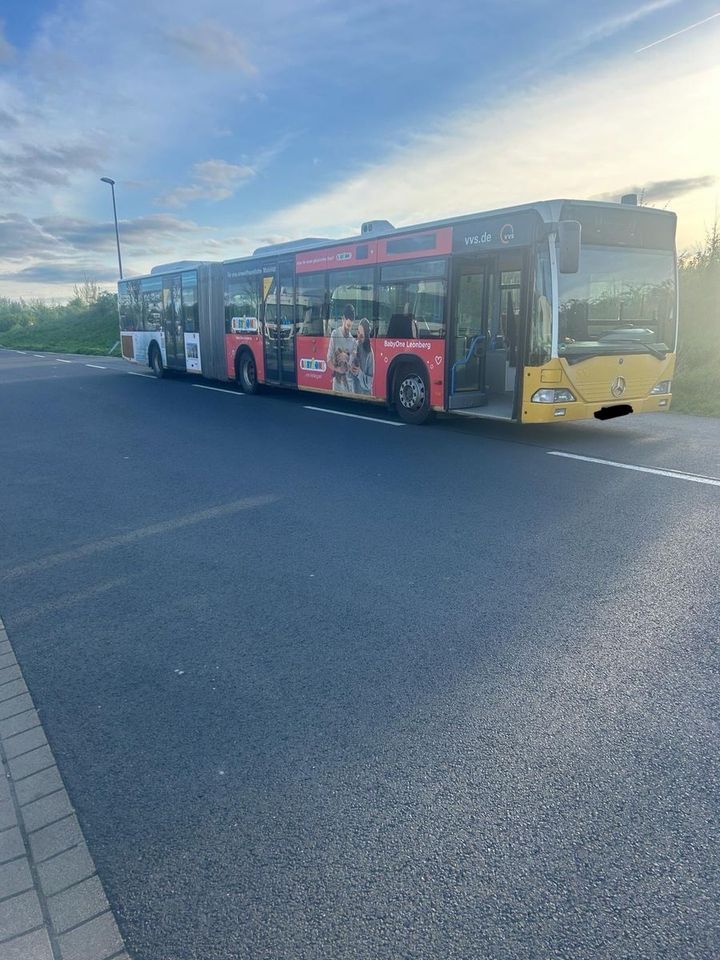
(269, 316)
(468, 334)
(505, 328)
(286, 326)
(173, 323)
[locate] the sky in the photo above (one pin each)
(229, 124)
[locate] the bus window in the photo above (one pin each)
(243, 294)
(541, 323)
(189, 302)
(129, 305)
(354, 288)
(151, 291)
(312, 304)
(411, 308)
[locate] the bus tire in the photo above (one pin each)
(246, 375)
(411, 393)
(156, 364)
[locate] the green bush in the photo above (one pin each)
(77, 327)
(696, 387)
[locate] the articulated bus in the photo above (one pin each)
(550, 311)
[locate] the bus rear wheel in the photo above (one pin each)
(411, 395)
(247, 373)
(156, 364)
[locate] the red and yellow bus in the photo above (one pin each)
(550, 311)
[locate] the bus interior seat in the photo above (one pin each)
(401, 325)
(312, 324)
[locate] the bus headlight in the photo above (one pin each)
(662, 387)
(552, 396)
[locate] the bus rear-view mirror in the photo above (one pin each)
(569, 246)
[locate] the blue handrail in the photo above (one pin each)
(466, 359)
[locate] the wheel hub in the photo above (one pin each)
(412, 392)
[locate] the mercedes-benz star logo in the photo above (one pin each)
(617, 387)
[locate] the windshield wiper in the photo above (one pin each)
(660, 354)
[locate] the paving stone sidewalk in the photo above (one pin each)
(52, 904)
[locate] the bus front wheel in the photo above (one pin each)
(411, 395)
(247, 373)
(156, 364)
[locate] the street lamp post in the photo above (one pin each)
(117, 235)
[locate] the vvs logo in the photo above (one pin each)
(506, 235)
(486, 237)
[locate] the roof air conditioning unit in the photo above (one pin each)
(376, 227)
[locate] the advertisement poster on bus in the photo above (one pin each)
(192, 353)
(357, 365)
(250, 340)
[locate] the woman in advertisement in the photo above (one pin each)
(341, 350)
(362, 366)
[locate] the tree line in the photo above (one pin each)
(697, 376)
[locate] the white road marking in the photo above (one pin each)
(201, 386)
(673, 474)
(147, 376)
(95, 366)
(54, 606)
(60, 360)
(357, 416)
(40, 356)
(133, 536)
(23, 352)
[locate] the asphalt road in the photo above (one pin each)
(323, 687)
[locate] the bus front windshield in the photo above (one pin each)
(622, 300)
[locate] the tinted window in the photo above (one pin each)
(427, 241)
(312, 303)
(189, 302)
(412, 309)
(351, 288)
(152, 303)
(286, 277)
(129, 305)
(541, 323)
(629, 226)
(243, 294)
(412, 271)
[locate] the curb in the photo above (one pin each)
(52, 903)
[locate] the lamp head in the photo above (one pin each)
(107, 180)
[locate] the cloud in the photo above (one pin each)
(7, 51)
(214, 180)
(62, 273)
(214, 46)
(138, 184)
(614, 25)
(22, 237)
(52, 251)
(86, 234)
(662, 189)
(24, 166)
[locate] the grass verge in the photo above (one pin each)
(91, 336)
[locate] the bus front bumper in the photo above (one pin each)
(607, 409)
